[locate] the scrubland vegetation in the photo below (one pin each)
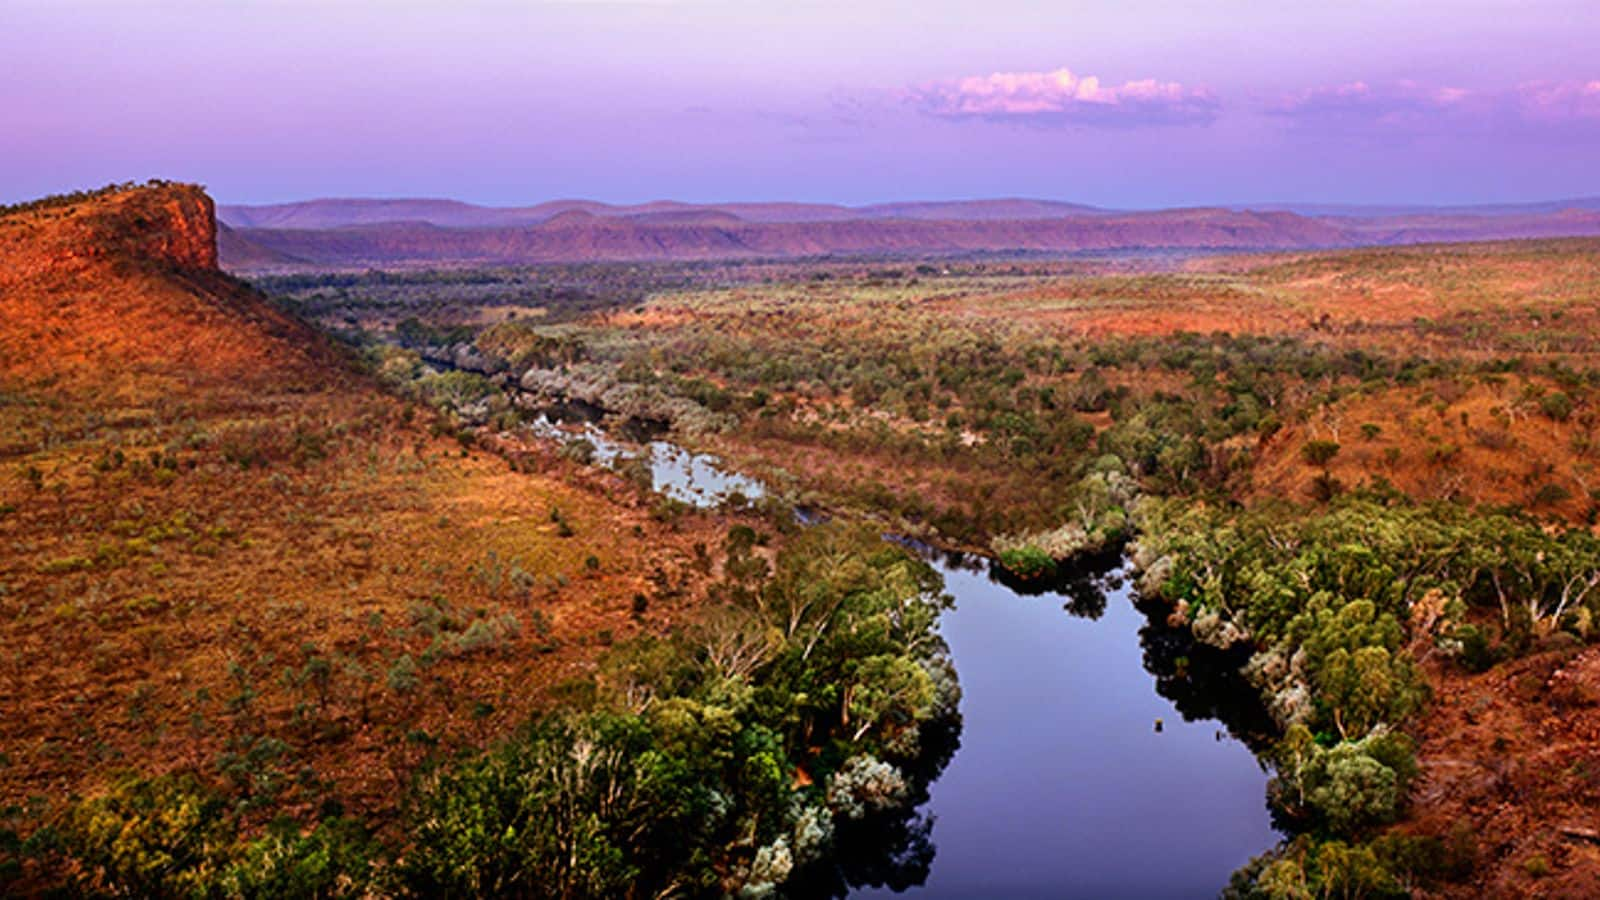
(781, 738)
(273, 630)
(1372, 469)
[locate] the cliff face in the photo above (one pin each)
(177, 225)
(124, 283)
(173, 225)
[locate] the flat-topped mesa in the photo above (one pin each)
(176, 224)
(168, 224)
(121, 284)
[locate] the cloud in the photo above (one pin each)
(1411, 107)
(1062, 98)
(1559, 102)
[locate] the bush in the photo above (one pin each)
(1556, 405)
(155, 837)
(1319, 453)
(572, 810)
(333, 860)
(1029, 563)
(1474, 652)
(1344, 789)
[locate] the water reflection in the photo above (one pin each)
(891, 850)
(1203, 682)
(1064, 784)
(698, 479)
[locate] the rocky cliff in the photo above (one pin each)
(126, 279)
(171, 225)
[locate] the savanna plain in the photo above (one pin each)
(323, 581)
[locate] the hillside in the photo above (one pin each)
(230, 554)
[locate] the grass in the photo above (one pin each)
(197, 488)
(918, 395)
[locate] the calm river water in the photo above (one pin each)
(1063, 786)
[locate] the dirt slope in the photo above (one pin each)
(228, 552)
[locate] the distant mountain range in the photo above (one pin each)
(1359, 211)
(337, 213)
(354, 232)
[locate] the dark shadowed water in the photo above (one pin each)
(1063, 786)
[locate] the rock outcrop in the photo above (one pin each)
(126, 279)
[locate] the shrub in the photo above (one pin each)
(1319, 452)
(1028, 562)
(403, 676)
(146, 837)
(1556, 405)
(1343, 789)
(1473, 649)
(333, 860)
(1550, 494)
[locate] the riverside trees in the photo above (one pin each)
(720, 760)
(1335, 602)
(763, 725)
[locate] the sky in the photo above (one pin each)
(1129, 104)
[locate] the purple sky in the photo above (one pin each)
(1130, 103)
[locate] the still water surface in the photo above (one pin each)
(1062, 786)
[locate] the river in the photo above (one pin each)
(1063, 785)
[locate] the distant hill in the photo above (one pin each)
(1369, 211)
(336, 213)
(1009, 208)
(341, 233)
(241, 252)
(1445, 227)
(341, 213)
(579, 235)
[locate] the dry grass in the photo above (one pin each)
(1527, 297)
(217, 531)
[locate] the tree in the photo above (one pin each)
(1319, 452)
(888, 690)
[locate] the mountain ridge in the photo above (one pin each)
(336, 212)
(333, 212)
(576, 235)
(346, 233)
